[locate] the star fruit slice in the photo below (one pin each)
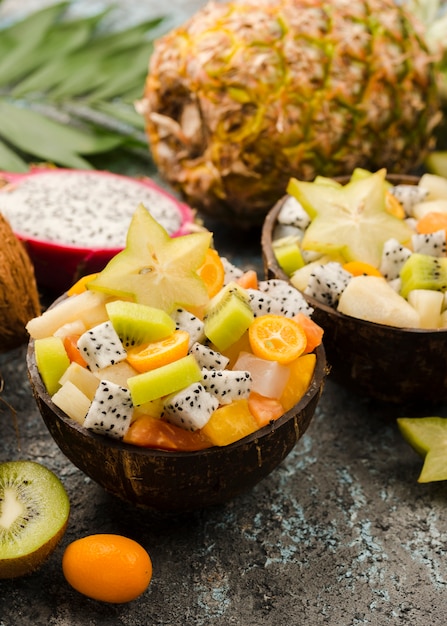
(428, 437)
(350, 220)
(156, 269)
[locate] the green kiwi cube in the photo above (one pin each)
(137, 324)
(228, 316)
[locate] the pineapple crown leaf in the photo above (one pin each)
(68, 86)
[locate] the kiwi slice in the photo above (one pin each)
(228, 316)
(428, 437)
(422, 271)
(34, 510)
(137, 324)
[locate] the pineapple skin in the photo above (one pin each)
(247, 94)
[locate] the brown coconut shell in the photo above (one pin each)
(19, 298)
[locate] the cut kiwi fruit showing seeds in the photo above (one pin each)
(138, 324)
(34, 510)
(422, 271)
(228, 316)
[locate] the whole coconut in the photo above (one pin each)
(19, 298)
(247, 94)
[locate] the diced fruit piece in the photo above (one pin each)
(248, 280)
(227, 385)
(110, 411)
(117, 373)
(428, 303)
(409, 196)
(34, 513)
(228, 316)
(431, 222)
(51, 360)
(137, 324)
(71, 328)
(233, 351)
(208, 358)
(433, 244)
(288, 301)
(435, 185)
(149, 432)
(394, 255)
(422, 271)
(372, 298)
(158, 353)
(428, 436)
(83, 378)
(292, 212)
(359, 268)
(72, 401)
(327, 282)
(421, 209)
(190, 408)
(232, 272)
(352, 219)
(230, 423)
(300, 377)
(393, 206)
(277, 338)
(263, 409)
(155, 269)
(164, 380)
(153, 408)
(212, 272)
(71, 347)
(268, 377)
(100, 346)
(288, 254)
(184, 320)
(87, 307)
(300, 278)
(314, 332)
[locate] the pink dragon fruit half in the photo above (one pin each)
(73, 222)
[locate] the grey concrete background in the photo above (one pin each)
(340, 534)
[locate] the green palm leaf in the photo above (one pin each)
(67, 88)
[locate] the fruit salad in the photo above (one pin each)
(171, 346)
(368, 249)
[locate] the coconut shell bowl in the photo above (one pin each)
(402, 366)
(176, 482)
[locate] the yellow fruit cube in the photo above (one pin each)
(230, 423)
(301, 372)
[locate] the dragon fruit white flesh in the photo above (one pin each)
(227, 385)
(190, 408)
(293, 214)
(394, 255)
(208, 358)
(83, 217)
(279, 297)
(110, 411)
(409, 196)
(100, 346)
(327, 282)
(433, 244)
(184, 320)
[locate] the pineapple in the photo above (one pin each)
(247, 94)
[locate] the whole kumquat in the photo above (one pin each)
(277, 338)
(106, 567)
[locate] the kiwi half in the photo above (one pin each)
(34, 510)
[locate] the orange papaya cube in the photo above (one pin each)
(301, 372)
(230, 423)
(264, 409)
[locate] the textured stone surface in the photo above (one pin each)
(340, 534)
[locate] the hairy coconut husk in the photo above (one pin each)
(19, 298)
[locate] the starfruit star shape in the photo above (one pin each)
(428, 437)
(349, 220)
(156, 269)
